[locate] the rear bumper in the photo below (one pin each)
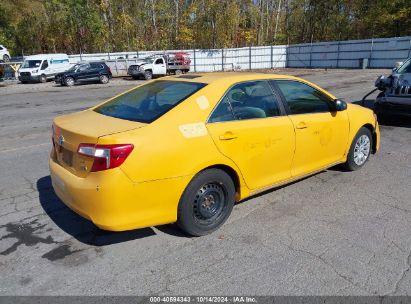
(113, 202)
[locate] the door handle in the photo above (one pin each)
(301, 125)
(228, 136)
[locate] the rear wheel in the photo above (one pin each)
(206, 203)
(148, 75)
(6, 58)
(179, 72)
(104, 79)
(69, 81)
(360, 150)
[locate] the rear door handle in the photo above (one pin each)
(301, 125)
(228, 136)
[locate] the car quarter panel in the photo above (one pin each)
(113, 202)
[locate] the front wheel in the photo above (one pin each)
(148, 75)
(360, 150)
(6, 58)
(206, 203)
(69, 81)
(43, 78)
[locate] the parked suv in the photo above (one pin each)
(395, 98)
(85, 71)
(4, 54)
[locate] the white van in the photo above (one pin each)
(42, 67)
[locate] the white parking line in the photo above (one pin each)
(23, 148)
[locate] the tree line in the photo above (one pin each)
(86, 26)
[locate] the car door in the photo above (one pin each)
(83, 72)
(321, 132)
(45, 68)
(250, 127)
(159, 67)
(95, 69)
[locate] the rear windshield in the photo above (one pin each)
(149, 102)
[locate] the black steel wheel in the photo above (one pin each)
(206, 203)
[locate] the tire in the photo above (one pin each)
(135, 77)
(69, 81)
(178, 72)
(43, 78)
(148, 75)
(206, 203)
(6, 58)
(24, 82)
(104, 79)
(360, 150)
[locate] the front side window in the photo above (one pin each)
(84, 67)
(159, 61)
(96, 65)
(148, 102)
(247, 100)
(302, 98)
(44, 65)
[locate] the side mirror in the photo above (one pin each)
(340, 105)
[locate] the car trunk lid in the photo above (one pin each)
(71, 130)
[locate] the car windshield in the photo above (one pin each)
(31, 64)
(74, 67)
(405, 68)
(148, 102)
(148, 60)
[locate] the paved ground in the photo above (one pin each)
(335, 233)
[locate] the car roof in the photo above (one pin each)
(232, 77)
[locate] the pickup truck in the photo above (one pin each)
(395, 95)
(160, 65)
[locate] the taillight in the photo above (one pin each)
(105, 156)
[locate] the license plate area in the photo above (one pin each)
(67, 157)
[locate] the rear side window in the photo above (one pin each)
(247, 100)
(148, 102)
(96, 65)
(302, 98)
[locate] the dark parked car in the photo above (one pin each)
(395, 98)
(90, 71)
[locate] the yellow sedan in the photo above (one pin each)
(185, 148)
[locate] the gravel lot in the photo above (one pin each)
(335, 233)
